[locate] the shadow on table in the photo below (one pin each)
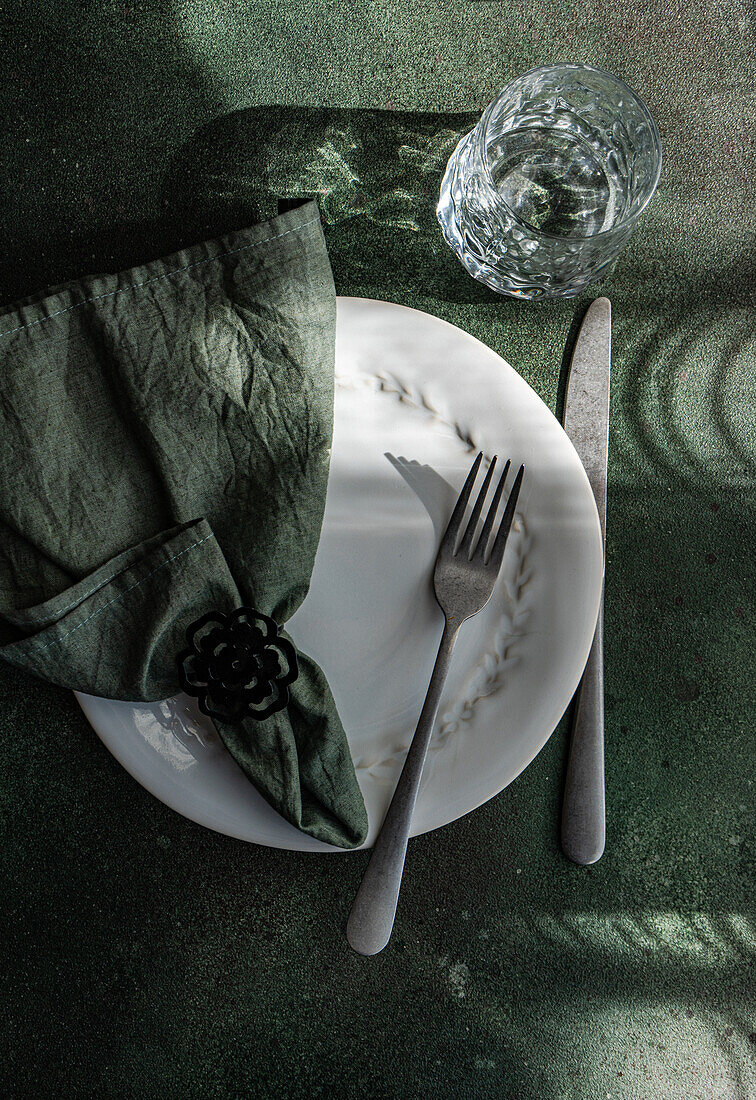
(374, 173)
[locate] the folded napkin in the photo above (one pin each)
(164, 454)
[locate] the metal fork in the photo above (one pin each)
(463, 581)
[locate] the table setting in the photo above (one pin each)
(352, 533)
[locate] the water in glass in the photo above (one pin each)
(540, 198)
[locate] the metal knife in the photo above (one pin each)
(586, 421)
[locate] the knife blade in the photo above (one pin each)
(586, 421)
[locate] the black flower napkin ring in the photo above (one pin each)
(237, 665)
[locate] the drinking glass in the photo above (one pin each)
(541, 197)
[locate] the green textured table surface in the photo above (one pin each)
(146, 957)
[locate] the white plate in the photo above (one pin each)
(414, 387)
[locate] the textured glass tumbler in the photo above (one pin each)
(542, 196)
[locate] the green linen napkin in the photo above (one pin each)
(165, 438)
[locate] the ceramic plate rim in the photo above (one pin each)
(209, 819)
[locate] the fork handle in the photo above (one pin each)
(583, 809)
(372, 916)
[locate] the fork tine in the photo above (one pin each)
(450, 535)
(466, 543)
(506, 522)
(480, 549)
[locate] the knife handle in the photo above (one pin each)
(583, 810)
